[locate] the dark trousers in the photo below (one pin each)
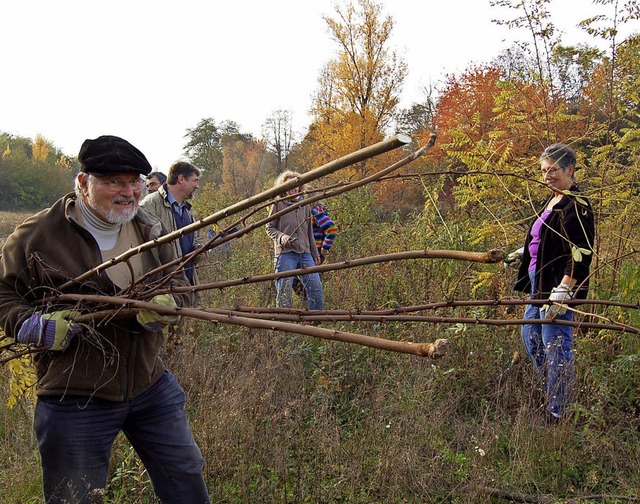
(75, 436)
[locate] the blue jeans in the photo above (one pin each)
(310, 283)
(549, 348)
(75, 435)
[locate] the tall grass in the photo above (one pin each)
(292, 419)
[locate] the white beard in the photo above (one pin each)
(112, 216)
(121, 217)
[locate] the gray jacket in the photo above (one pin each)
(158, 204)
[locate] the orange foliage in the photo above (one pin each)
(514, 118)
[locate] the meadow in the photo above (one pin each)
(294, 419)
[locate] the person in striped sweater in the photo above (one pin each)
(324, 230)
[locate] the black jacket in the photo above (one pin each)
(569, 227)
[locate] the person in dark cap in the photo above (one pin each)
(95, 379)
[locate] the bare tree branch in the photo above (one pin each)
(314, 316)
(492, 256)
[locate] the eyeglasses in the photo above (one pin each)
(550, 171)
(119, 184)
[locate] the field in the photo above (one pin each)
(282, 418)
(8, 222)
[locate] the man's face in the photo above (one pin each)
(189, 185)
(153, 184)
(113, 198)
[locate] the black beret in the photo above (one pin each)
(111, 154)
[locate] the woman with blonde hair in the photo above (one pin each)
(294, 246)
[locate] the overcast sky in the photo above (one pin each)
(147, 70)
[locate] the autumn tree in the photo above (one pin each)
(40, 149)
(35, 173)
(357, 91)
(246, 166)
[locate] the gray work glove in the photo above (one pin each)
(514, 259)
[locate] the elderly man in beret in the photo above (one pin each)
(95, 380)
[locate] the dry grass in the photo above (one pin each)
(9, 221)
(292, 419)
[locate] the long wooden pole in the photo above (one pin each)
(348, 160)
(432, 350)
(491, 256)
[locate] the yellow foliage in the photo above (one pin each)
(64, 164)
(482, 279)
(40, 149)
(22, 380)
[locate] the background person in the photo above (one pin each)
(294, 246)
(549, 270)
(170, 203)
(324, 230)
(93, 382)
(154, 181)
(324, 234)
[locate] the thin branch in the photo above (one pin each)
(314, 316)
(451, 304)
(550, 499)
(490, 257)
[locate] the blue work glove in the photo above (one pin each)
(559, 294)
(514, 259)
(52, 330)
(154, 321)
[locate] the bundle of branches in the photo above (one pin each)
(101, 307)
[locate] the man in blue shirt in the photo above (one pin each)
(170, 203)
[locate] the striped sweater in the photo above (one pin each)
(324, 229)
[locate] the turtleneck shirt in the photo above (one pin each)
(113, 240)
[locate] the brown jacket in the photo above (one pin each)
(296, 223)
(114, 361)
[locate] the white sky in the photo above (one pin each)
(147, 70)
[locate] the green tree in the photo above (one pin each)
(203, 148)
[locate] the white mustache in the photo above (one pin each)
(120, 201)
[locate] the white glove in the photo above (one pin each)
(559, 294)
(514, 259)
